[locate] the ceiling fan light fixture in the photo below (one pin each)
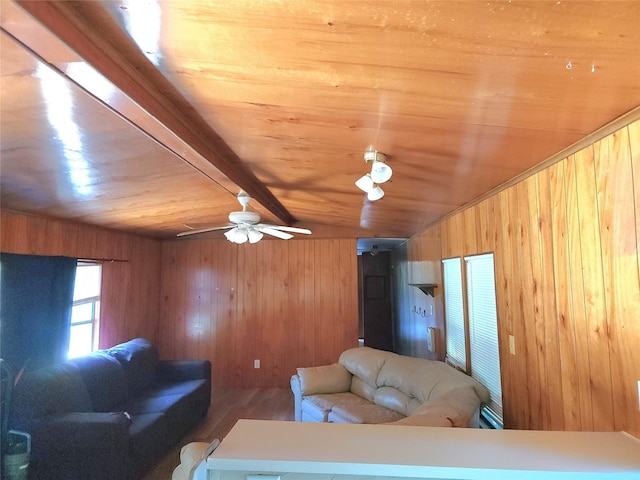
(380, 172)
(237, 235)
(254, 235)
(375, 193)
(374, 156)
(365, 183)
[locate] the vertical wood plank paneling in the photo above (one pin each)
(531, 414)
(504, 263)
(540, 419)
(634, 147)
(549, 300)
(566, 245)
(562, 274)
(248, 331)
(622, 287)
(597, 327)
(578, 308)
(206, 301)
(298, 353)
(167, 300)
(265, 299)
(469, 231)
(227, 352)
(348, 283)
(311, 314)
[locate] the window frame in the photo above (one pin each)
(94, 301)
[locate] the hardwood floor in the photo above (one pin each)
(228, 405)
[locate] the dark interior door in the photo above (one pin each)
(375, 300)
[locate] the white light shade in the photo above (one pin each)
(375, 193)
(255, 236)
(365, 183)
(237, 235)
(380, 172)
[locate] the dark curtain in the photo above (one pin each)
(35, 309)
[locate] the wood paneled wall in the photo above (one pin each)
(289, 304)
(567, 284)
(129, 306)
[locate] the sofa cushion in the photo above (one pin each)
(362, 388)
(324, 379)
(148, 438)
(176, 409)
(434, 379)
(393, 399)
(455, 408)
(48, 391)
(396, 372)
(364, 413)
(314, 410)
(319, 406)
(181, 388)
(139, 359)
(365, 362)
(104, 379)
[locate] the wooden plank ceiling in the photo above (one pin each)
(147, 115)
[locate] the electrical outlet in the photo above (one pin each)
(256, 363)
(512, 345)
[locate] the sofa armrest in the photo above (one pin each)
(297, 397)
(80, 445)
(324, 379)
(183, 370)
(457, 408)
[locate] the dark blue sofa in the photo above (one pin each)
(110, 414)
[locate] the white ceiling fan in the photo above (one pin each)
(246, 225)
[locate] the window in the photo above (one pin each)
(477, 334)
(454, 313)
(85, 313)
(483, 328)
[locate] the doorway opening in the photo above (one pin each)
(375, 302)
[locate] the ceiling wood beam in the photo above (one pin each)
(94, 35)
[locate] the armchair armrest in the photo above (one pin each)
(183, 370)
(80, 445)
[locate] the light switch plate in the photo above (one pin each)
(256, 363)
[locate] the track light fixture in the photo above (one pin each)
(380, 173)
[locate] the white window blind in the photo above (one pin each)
(454, 312)
(483, 327)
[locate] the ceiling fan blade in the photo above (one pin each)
(204, 230)
(276, 233)
(288, 229)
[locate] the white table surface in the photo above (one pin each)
(421, 452)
